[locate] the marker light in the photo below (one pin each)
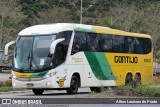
(50, 74)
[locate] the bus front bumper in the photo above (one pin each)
(30, 84)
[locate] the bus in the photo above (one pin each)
(66, 56)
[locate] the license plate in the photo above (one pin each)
(29, 84)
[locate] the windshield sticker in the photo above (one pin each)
(27, 38)
(42, 62)
(36, 38)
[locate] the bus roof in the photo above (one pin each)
(46, 29)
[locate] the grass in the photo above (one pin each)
(6, 89)
(139, 91)
(6, 86)
(156, 80)
(134, 90)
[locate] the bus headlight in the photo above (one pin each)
(50, 74)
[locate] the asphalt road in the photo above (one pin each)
(78, 100)
(82, 92)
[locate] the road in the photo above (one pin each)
(4, 76)
(82, 92)
(80, 99)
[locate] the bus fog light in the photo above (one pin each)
(14, 77)
(48, 83)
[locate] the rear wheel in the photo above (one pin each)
(73, 86)
(128, 79)
(38, 91)
(137, 79)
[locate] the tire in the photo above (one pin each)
(137, 79)
(38, 91)
(95, 89)
(73, 86)
(128, 79)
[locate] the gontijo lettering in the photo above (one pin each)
(125, 59)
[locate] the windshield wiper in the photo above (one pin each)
(29, 60)
(32, 59)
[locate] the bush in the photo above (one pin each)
(139, 90)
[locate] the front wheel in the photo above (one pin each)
(73, 86)
(38, 91)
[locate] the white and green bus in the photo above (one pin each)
(66, 56)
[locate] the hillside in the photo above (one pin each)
(140, 16)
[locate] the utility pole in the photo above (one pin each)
(81, 10)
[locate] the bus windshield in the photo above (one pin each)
(33, 52)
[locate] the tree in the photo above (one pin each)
(126, 16)
(54, 15)
(152, 23)
(10, 19)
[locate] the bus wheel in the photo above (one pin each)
(137, 79)
(38, 91)
(128, 79)
(73, 86)
(95, 89)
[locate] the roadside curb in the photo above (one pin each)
(12, 92)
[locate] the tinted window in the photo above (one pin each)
(62, 47)
(118, 44)
(79, 42)
(139, 46)
(147, 45)
(110, 43)
(105, 43)
(92, 42)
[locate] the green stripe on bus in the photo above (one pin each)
(100, 66)
(84, 30)
(40, 74)
(104, 64)
(94, 64)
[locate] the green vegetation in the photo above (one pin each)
(139, 91)
(6, 86)
(140, 16)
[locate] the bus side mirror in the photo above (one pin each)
(54, 44)
(7, 46)
(5, 56)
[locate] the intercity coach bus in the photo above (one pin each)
(66, 56)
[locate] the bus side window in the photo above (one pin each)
(130, 45)
(147, 45)
(118, 44)
(105, 43)
(139, 47)
(92, 41)
(65, 43)
(79, 42)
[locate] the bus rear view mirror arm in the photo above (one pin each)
(5, 56)
(54, 44)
